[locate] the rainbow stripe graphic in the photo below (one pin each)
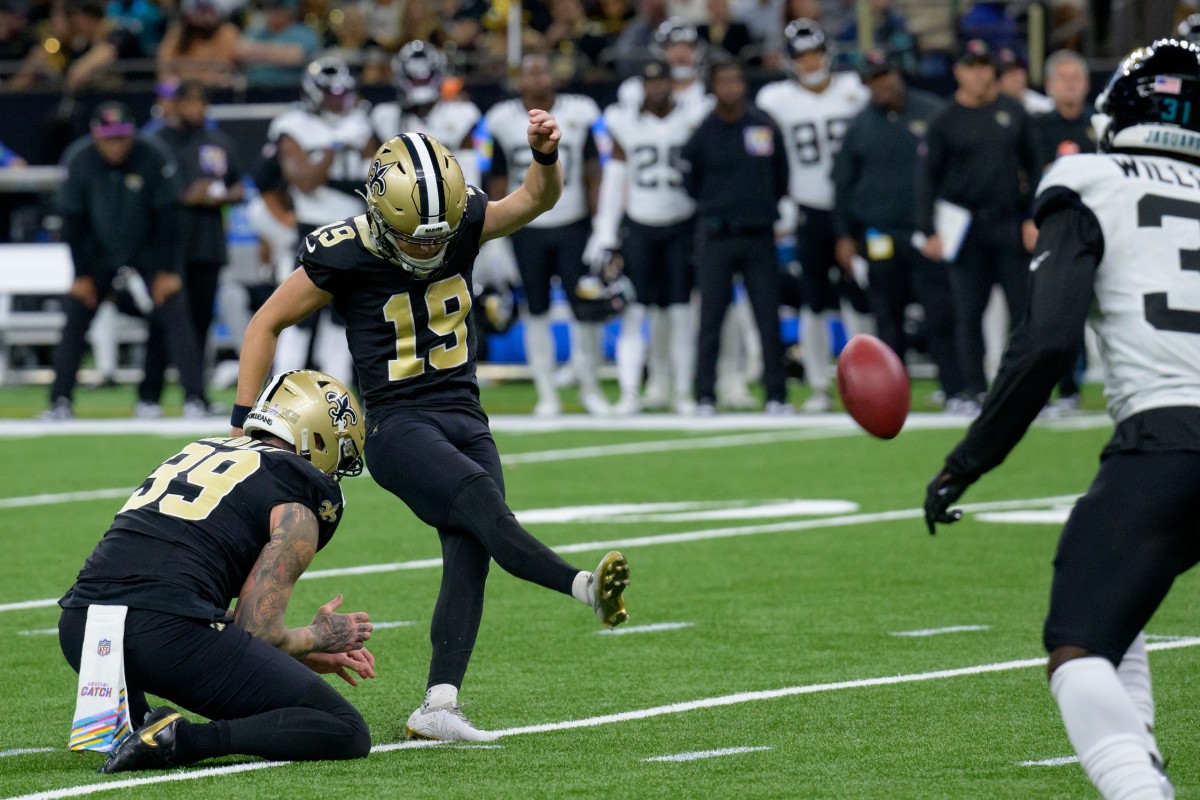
(101, 731)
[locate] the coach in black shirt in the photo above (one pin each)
(119, 209)
(984, 157)
(737, 171)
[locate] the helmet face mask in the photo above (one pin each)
(315, 414)
(803, 37)
(417, 73)
(677, 42)
(416, 200)
(328, 87)
(1152, 102)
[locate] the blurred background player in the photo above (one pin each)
(643, 181)
(323, 145)
(813, 108)
(553, 243)
(875, 215)
(419, 75)
(677, 42)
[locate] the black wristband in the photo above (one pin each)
(238, 418)
(545, 159)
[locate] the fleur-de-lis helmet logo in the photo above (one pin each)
(340, 410)
(375, 179)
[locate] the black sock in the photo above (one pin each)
(197, 742)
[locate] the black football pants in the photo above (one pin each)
(262, 702)
(718, 258)
(445, 467)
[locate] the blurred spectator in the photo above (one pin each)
(979, 146)
(210, 181)
(990, 21)
(121, 221)
(722, 30)
(694, 11)
(761, 17)
(16, 41)
(738, 172)
(200, 45)
(349, 38)
(383, 17)
(419, 22)
(875, 215)
(609, 19)
(634, 42)
(890, 33)
(78, 49)
(463, 22)
(142, 20)
(568, 26)
(1013, 77)
(277, 51)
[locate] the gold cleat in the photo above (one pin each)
(606, 585)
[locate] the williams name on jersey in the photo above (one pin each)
(412, 339)
(1147, 285)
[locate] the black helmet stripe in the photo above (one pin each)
(429, 176)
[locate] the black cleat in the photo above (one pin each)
(151, 746)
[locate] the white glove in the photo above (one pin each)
(599, 244)
(789, 217)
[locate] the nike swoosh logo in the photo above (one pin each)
(313, 248)
(1037, 262)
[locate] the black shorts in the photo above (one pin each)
(426, 457)
(658, 260)
(542, 253)
(219, 674)
(1136, 529)
(824, 283)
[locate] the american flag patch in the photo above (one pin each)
(1167, 84)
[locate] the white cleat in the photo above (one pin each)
(446, 724)
(739, 400)
(655, 398)
(819, 403)
(595, 404)
(605, 587)
(685, 407)
(627, 406)
(547, 407)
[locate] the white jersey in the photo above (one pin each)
(450, 122)
(692, 98)
(813, 126)
(348, 134)
(1146, 287)
(655, 194)
(508, 123)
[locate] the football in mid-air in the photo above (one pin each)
(874, 386)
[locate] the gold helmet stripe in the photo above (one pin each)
(429, 176)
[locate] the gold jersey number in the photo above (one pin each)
(214, 472)
(448, 302)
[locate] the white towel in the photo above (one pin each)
(101, 708)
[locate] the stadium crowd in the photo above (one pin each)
(857, 240)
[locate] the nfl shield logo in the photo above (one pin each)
(105, 647)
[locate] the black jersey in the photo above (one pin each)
(188, 537)
(412, 341)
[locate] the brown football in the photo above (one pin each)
(874, 386)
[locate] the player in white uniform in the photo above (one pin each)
(813, 110)
(1120, 231)
(677, 42)
(643, 182)
(553, 244)
(419, 73)
(323, 145)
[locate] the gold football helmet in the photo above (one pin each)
(416, 200)
(317, 415)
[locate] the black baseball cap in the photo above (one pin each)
(975, 52)
(112, 119)
(656, 69)
(875, 63)
(1008, 59)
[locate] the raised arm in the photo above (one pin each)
(268, 588)
(541, 189)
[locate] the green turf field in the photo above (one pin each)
(770, 600)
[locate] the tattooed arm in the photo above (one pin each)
(268, 587)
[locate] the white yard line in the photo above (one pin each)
(696, 755)
(64, 497)
(39, 632)
(940, 631)
(404, 623)
(1050, 516)
(653, 628)
(1050, 762)
(607, 719)
(24, 751)
(661, 539)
